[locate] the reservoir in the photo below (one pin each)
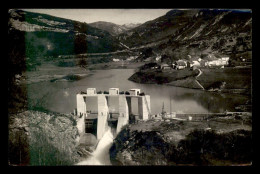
(60, 96)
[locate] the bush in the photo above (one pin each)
(82, 62)
(72, 77)
(207, 147)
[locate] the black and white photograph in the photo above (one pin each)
(130, 87)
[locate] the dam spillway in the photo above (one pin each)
(113, 109)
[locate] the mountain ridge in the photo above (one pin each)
(179, 33)
(79, 37)
(112, 28)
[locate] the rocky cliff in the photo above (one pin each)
(42, 138)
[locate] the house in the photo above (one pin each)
(224, 60)
(158, 58)
(180, 64)
(170, 115)
(214, 63)
(195, 64)
(116, 60)
(165, 66)
(131, 58)
(219, 62)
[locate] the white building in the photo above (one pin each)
(158, 58)
(195, 63)
(113, 91)
(134, 92)
(116, 60)
(180, 64)
(219, 62)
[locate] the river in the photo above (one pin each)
(60, 96)
(101, 155)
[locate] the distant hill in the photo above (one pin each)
(49, 35)
(33, 37)
(112, 28)
(130, 26)
(157, 29)
(179, 33)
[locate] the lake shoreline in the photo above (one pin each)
(204, 82)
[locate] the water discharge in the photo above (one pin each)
(101, 155)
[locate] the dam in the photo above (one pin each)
(100, 111)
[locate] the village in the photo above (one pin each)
(195, 62)
(210, 61)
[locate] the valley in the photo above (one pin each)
(195, 64)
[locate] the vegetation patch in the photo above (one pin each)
(70, 77)
(227, 79)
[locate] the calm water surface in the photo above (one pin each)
(61, 96)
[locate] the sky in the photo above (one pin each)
(117, 16)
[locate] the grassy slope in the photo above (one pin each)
(186, 83)
(235, 78)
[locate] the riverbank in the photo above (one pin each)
(217, 141)
(233, 80)
(49, 71)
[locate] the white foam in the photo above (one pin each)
(101, 155)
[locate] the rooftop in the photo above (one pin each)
(133, 89)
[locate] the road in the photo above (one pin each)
(200, 72)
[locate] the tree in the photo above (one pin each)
(83, 63)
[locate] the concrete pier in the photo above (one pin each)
(123, 113)
(102, 124)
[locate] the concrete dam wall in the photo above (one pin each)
(98, 111)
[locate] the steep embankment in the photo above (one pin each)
(39, 138)
(221, 141)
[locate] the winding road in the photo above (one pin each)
(200, 72)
